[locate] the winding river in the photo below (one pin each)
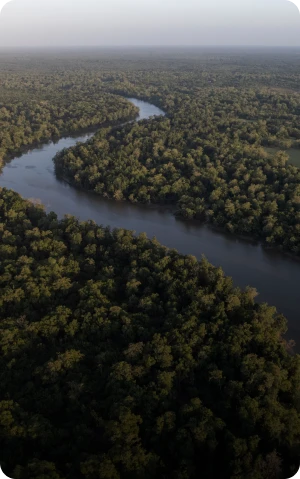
(274, 275)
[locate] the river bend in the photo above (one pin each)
(274, 275)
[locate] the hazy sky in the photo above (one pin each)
(149, 22)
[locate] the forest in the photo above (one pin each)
(123, 359)
(208, 156)
(30, 118)
(120, 358)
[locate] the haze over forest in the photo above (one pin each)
(132, 22)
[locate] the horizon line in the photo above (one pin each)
(151, 46)
(124, 47)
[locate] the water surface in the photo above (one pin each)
(276, 277)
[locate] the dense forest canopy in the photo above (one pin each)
(123, 359)
(208, 156)
(120, 358)
(29, 122)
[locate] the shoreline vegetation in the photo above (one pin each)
(237, 210)
(202, 136)
(172, 210)
(37, 144)
(93, 129)
(178, 213)
(113, 126)
(171, 206)
(32, 116)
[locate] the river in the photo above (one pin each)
(274, 275)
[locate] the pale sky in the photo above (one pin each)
(149, 22)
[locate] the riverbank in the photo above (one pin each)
(65, 134)
(173, 209)
(275, 275)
